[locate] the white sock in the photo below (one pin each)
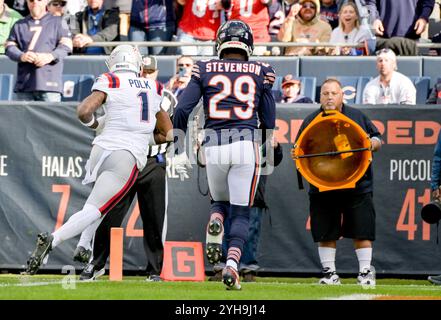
(88, 234)
(76, 224)
(327, 257)
(364, 256)
(231, 263)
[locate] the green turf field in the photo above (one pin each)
(133, 288)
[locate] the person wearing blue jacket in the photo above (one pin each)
(404, 18)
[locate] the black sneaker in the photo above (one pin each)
(44, 246)
(82, 254)
(435, 279)
(91, 272)
(154, 278)
(215, 233)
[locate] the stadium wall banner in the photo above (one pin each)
(43, 150)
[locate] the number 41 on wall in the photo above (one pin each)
(408, 211)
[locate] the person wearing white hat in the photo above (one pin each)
(391, 86)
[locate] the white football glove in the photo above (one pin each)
(181, 163)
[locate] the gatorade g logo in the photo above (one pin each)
(183, 259)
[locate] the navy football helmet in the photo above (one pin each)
(234, 34)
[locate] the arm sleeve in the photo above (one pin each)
(436, 165)
(64, 46)
(267, 106)
(371, 5)
(102, 83)
(426, 8)
(267, 110)
(12, 51)
(372, 130)
(186, 103)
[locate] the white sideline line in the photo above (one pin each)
(42, 283)
(356, 297)
(30, 284)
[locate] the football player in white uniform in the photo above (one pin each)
(132, 107)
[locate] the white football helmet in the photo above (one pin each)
(125, 58)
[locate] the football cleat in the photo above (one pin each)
(215, 233)
(329, 277)
(91, 272)
(230, 278)
(435, 279)
(40, 254)
(154, 278)
(367, 277)
(82, 254)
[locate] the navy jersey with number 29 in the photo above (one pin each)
(236, 95)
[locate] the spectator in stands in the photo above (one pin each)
(395, 22)
(393, 18)
(39, 43)
(125, 7)
(349, 31)
(276, 13)
(8, 17)
(149, 67)
(390, 87)
(58, 9)
(256, 15)
(435, 94)
(304, 25)
(152, 20)
(95, 24)
(329, 12)
(291, 89)
(180, 80)
(19, 6)
(199, 24)
(74, 6)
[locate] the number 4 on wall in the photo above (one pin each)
(408, 211)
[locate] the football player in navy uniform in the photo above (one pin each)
(237, 101)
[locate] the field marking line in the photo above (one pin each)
(357, 296)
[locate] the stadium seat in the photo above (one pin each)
(6, 86)
(352, 88)
(77, 86)
(362, 82)
(422, 85)
(308, 87)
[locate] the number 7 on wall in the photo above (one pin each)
(65, 195)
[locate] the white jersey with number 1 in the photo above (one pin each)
(131, 106)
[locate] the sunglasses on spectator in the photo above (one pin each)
(385, 50)
(308, 5)
(58, 4)
(185, 64)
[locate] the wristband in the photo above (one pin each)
(90, 123)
